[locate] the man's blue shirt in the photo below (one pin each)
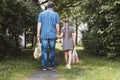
(48, 19)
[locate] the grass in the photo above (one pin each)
(18, 68)
(89, 67)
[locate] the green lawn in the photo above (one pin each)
(18, 68)
(89, 67)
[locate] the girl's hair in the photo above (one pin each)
(66, 20)
(69, 32)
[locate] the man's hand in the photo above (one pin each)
(57, 36)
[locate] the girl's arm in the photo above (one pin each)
(61, 35)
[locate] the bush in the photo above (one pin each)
(104, 28)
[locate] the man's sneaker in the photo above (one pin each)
(44, 69)
(68, 66)
(52, 68)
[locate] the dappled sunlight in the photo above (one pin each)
(18, 68)
(96, 26)
(90, 68)
(86, 72)
(80, 47)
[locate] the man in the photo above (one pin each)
(47, 30)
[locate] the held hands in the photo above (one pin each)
(58, 36)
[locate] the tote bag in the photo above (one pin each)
(75, 58)
(37, 52)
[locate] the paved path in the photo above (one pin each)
(47, 75)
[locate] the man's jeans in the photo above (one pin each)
(48, 43)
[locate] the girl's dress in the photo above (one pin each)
(67, 38)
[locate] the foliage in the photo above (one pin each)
(14, 17)
(104, 26)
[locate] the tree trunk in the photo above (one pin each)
(76, 31)
(34, 37)
(32, 41)
(25, 37)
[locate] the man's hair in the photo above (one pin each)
(51, 5)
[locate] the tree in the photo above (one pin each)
(14, 17)
(104, 29)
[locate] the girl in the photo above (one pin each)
(67, 33)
